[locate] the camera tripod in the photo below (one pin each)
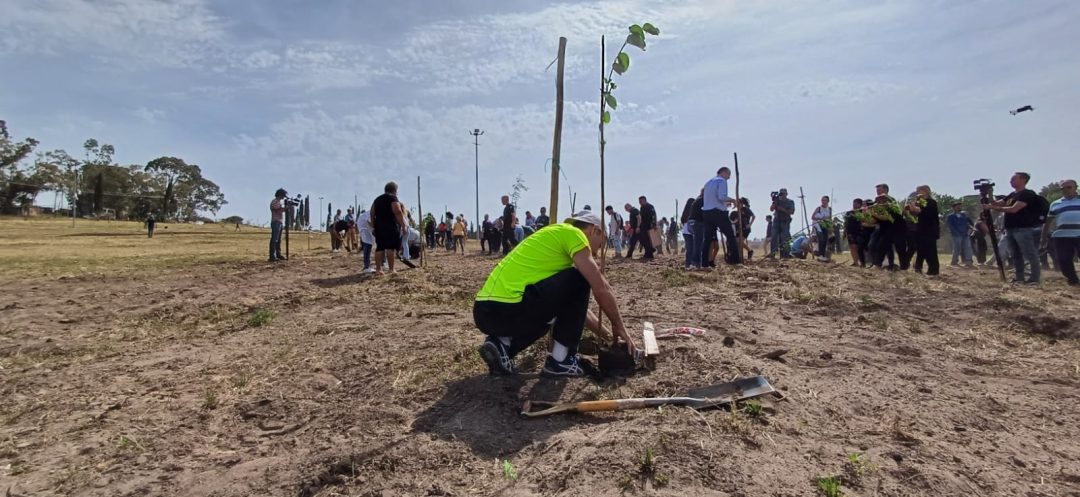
(988, 219)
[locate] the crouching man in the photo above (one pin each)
(544, 284)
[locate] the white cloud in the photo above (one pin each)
(151, 116)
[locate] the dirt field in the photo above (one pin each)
(186, 365)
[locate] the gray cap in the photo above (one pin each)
(587, 217)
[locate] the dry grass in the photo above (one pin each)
(51, 247)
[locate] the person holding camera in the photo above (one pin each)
(782, 208)
(1065, 238)
(1021, 217)
(277, 223)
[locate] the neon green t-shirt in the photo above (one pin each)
(539, 256)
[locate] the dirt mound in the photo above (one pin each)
(303, 378)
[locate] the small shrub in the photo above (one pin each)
(829, 486)
(508, 470)
(261, 317)
(210, 400)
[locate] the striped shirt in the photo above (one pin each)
(1066, 213)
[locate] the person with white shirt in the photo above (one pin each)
(1065, 212)
(714, 209)
(822, 226)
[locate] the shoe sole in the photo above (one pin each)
(552, 374)
(490, 353)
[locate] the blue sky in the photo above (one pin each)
(334, 98)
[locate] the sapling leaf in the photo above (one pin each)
(649, 28)
(624, 59)
(614, 104)
(618, 67)
(637, 30)
(606, 118)
(636, 40)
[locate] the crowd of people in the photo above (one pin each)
(880, 232)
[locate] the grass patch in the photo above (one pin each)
(210, 399)
(261, 317)
(829, 486)
(508, 470)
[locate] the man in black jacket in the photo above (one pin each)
(508, 225)
(646, 225)
(633, 219)
(927, 230)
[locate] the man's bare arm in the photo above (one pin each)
(586, 265)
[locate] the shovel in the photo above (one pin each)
(697, 398)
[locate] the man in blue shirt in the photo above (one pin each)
(714, 210)
(1066, 237)
(959, 226)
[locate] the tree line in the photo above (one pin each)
(166, 187)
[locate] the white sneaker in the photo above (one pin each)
(369, 270)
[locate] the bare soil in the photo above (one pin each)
(306, 379)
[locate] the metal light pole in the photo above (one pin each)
(476, 145)
(320, 212)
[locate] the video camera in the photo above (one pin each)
(293, 202)
(775, 196)
(985, 188)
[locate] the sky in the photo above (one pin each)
(334, 98)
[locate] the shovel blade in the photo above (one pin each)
(743, 388)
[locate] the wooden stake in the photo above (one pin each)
(556, 146)
(420, 207)
(738, 209)
(806, 219)
(603, 201)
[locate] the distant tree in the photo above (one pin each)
(233, 220)
(1052, 191)
(186, 190)
(18, 187)
(99, 193)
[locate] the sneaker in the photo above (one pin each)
(369, 270)
(497, 357)
(568, 368)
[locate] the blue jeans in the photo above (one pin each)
(961, 249)
(699, 240)
(275, 239)
(616, 242)
(780, 236)
(1024, 248)
(822, 241)
(367, 255)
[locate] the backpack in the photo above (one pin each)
(1042, 208)
(619, 221)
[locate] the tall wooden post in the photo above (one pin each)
(738, 209)
(556, 146)
(420, 207)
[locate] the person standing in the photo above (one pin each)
(978, 241)
(429, 231)
(632, 232)
(748, 218)
(960, 225)
(277, 223)
(542, 286)
(646, 225)
(853, 230)
(714, 210)
(885, 215)
(767, 243)
(1021, 216)
(508, 224)
(389, 225)
(615, 230)
(782, 208)
(367, 238)
(151, 223)
(822, 217)
(459, 235)
(1065, 212)
(927, 230)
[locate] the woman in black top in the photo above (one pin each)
(386, 219)
(927, 230)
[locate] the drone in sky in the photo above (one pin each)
(1021, 109)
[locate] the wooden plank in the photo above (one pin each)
(648, 337)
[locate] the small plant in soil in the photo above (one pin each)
(856, 468)
(753, 409)
(508, 470)
(210, 399)
(261, 317)
(129, 443)
(829, 486)
(649, 471)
